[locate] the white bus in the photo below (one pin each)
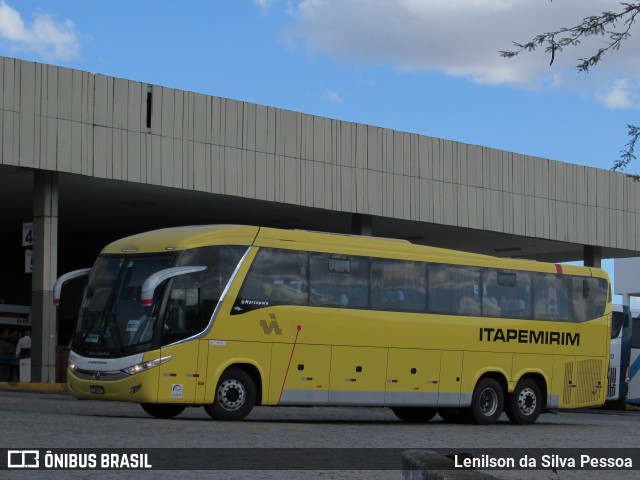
(620, 351)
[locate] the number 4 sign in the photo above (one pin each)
(27, 234)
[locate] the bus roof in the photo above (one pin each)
(182, 238)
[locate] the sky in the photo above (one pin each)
(430, 67)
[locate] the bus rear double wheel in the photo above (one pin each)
(524, 405)
(487, 401)
(235, 396)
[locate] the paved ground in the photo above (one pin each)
(55, 420)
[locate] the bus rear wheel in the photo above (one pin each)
(235, 396)
(414, 414)
(524, 405)
(487, 401)
(162, 410)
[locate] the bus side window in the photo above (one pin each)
(551, 297)
(339, 281)
(506, 294)
(453, 289)
(398, 285)
(277, 277)
(589, 297)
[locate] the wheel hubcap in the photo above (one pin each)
(488, 402)
(231, 394)
(527, 401)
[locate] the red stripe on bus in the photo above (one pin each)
(293, 349)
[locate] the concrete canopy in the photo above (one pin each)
(119, 157)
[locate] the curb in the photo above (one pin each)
(34, 387)
(430, 465)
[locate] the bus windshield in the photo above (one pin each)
(111, 317)
(617, 321)
(113, 321)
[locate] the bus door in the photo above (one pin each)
(180, 377)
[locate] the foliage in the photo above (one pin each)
(628, 155)
(616, 27)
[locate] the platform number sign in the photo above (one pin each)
(28, 261)
(27, 234)
(27, 241)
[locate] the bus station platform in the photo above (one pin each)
(34, 387)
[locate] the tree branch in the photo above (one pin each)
(628, 154)
(596, 25)
(603, 25)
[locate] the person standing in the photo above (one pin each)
(23, 354)
(23, 348)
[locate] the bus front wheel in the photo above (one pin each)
(524, 405)
(487, 401)
(160, 410)
(235, 396)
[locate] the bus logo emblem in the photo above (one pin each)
(23, 459)
(272, 326)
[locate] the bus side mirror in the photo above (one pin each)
(150, 284)
(57, 287)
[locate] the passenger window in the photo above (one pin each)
(193, 297)
(454, 289)
(277, 277)
(182, 313)
(551, 297)
(398, 285)
(506, 294)
(339, 281)
(589, 297)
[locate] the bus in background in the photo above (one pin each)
(229, 317)
(633, 371)
(620, 352)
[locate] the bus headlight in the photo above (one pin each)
(141, 367)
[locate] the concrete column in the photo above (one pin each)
(45, 266)
(361, 224)
(626, 300)
(592, 256)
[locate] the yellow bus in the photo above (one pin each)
(230, 317)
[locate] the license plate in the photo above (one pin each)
(97, 389)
